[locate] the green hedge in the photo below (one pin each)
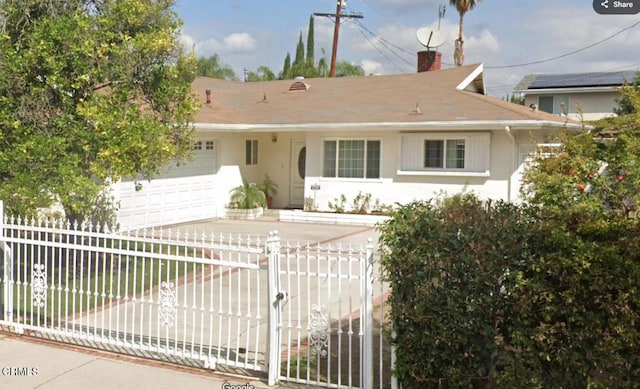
(497, 295)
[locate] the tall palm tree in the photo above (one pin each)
(463, 6)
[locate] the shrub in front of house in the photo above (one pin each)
(491, 294)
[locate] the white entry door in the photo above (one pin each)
(297, 172)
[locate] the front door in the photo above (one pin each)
(297, 172)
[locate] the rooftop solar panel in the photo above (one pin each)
(583, 79)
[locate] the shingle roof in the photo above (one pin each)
(367, 99)
(575, 80)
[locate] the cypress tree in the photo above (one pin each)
(299, 52)
(310, 44)
(286, 69)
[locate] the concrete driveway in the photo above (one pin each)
(291, 232)
(226, 309)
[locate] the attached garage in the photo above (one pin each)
(184, 192)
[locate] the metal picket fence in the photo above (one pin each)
(295, 312)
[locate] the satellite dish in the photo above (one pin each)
(429, 37)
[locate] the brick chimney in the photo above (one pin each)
(207, 92)
(429, 61)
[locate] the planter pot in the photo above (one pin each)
(269, 201)
(246, 214)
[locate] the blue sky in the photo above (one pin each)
(498, 33)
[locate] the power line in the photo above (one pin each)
(566, 54)
(382, 39)
(359, 27)
(336, 31)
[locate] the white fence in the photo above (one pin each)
(297, 313)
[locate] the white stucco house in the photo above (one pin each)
(579, 96)
(397, 137)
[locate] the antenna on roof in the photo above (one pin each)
(441, 10)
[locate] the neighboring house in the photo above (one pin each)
(580, 96)
(397, 137)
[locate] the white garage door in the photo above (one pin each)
(183, 193)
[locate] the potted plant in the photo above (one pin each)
(247, 201)
(269, 188)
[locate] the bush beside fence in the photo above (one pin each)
(497, 295)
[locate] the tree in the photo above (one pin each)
(305, 66)
(213, 67)
(590, 174)
(310, 43)
(323, 66)
(263, 73)
(515, 99)
(300, 66)
(624, 103)
(299, 58)
(286, 68)
(463, 6)
(347, 69)
(90, 92)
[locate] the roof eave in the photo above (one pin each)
(468, 125)
(549, 91)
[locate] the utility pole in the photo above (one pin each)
(336, 31)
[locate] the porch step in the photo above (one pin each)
(270, 215)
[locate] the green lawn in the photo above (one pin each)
(79, 281)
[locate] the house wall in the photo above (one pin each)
(494, 171)
(593, 105)
(273, 159)
(397, 186)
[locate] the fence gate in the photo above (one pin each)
(324, 322)
(298, 313)
(184, 298)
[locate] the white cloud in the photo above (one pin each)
(408, 5)
(371, 67)
(233, 43)
(481, 46)
(187, 42)
(208, 47)
(239, 42)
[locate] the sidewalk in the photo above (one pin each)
(27, 362)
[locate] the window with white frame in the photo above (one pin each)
(557, 105)
(251, 152)
(351, 158)
(444, 153)
(439, 153)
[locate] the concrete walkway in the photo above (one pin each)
(32, 363)
(27, 362)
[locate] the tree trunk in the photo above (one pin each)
(458, 53)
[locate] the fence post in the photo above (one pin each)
(7, 273)
(366, 357)
(274, 329)
(395, 384)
